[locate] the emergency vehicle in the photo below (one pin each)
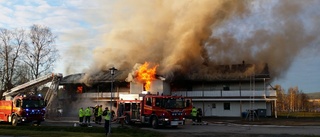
(155, 110)
(23, 108)
(20, 107)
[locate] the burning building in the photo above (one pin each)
(234, 89)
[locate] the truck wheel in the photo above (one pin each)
(38, 123)
(174, 126)
(155, 123)
(14, 120)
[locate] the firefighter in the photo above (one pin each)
(194, 115)
(87, 114)
(107, 116)
(199, 115)
(81, 115)
(99, 114)
(95, 113)
(120, 110)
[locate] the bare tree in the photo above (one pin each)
(305, 105)
(41, 53)
(281, 99)
(10, 47)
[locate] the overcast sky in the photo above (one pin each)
(79, 25)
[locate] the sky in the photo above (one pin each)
(94, 35)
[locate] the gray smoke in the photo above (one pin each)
(192, 37)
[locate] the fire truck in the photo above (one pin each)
(23, 108)
(20, 107)
(154, 110)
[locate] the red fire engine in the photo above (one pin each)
(22, 108)
(155, 110)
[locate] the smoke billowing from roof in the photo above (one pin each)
(191, 37)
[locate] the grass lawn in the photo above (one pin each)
(55, 131)
(300, 114)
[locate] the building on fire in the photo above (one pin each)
(227, 95)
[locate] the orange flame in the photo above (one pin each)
(79, 89)
(146, 75)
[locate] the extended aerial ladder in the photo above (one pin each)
(51, 93)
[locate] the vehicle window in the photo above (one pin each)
(188, 103)
(18, 103)
(149, 101)
(127, 107)
(32, 103)
(174, 103)
(158, 102)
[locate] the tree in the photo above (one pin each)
(305, 102)
(10, 47)
(40, 53)
(281, 98)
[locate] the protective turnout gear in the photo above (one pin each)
(108, 116)
(81, 115)
(87, 112)
(194, 114)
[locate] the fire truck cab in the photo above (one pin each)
(155, 110)
(22, 109)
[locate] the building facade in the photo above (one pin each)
(222, 97)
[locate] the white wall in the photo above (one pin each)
(236, 108)
(136, 87)
(157, 86)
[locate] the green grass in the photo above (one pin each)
(55, 131)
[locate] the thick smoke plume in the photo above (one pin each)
(191, 37)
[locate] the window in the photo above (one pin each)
(18, 103)
(226, 88)
(213, 105)
(148, 101)
(26, 103)
(158, 102)
(127, 107)
(226, 106)
(188, 103)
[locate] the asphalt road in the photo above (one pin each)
(215, 129)
(211, 130)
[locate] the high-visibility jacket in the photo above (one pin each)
(108, 116)
(87, 112)
(194, 112)
(100, 111)
(81, 112)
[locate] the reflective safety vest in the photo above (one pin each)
(194, 112)
(81, 112)
(108, 116)
(87, 112)
(100, 111)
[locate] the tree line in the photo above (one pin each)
(293, 101)
(25, 54)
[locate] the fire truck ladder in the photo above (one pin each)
(31, 84)
(53, 90)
